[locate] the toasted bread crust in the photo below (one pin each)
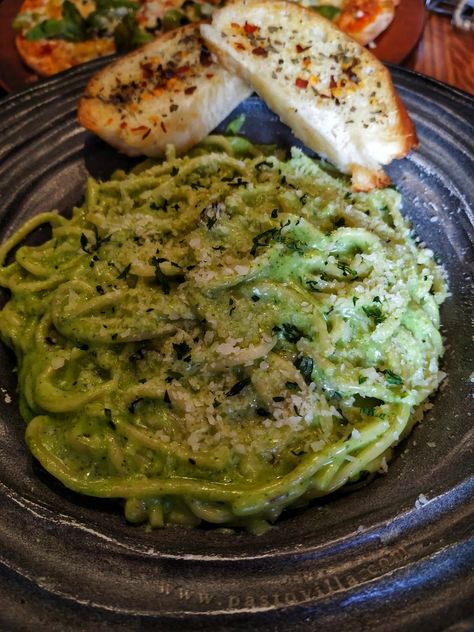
(168, 92)
(407, 127)
(364, 179)
(335, 95)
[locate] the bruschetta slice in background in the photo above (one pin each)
(365, 20)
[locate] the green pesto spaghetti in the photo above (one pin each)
(220, 336)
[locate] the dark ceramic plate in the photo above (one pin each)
(378, 558)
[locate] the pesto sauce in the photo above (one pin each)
(217, 336)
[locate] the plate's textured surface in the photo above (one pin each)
(377, 558)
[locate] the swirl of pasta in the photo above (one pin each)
(220, 336)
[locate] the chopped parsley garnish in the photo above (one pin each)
(238, 386)
(313, 285)
(289, 332)
(211, 214)
(125, 271)
(346, 270)
(305, 365)
(263, 239)
(84, 243)
(181, 349)
(274, 234)
(91, 248)
(294, 245)
(161, 278)
(393, 378)
(374, 312)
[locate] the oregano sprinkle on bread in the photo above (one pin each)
(170, 91)
(333, 93)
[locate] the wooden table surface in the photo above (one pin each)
(445, 53)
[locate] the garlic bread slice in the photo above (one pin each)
(170, 91)
(333, 93)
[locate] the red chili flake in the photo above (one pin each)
(190, 90)
(250, 28)
(123, 124)
(140, 128)
(209, 75)
(182, 70)
(205, 57)
(333, 82)
(146, 133)
(301, 83)
(301, 49)
(260, 51)
(162, 125)
(147, 71)
(239, 46)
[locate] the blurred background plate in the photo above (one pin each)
(392, 46)
(395, 555)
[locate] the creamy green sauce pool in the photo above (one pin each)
(222, 335)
